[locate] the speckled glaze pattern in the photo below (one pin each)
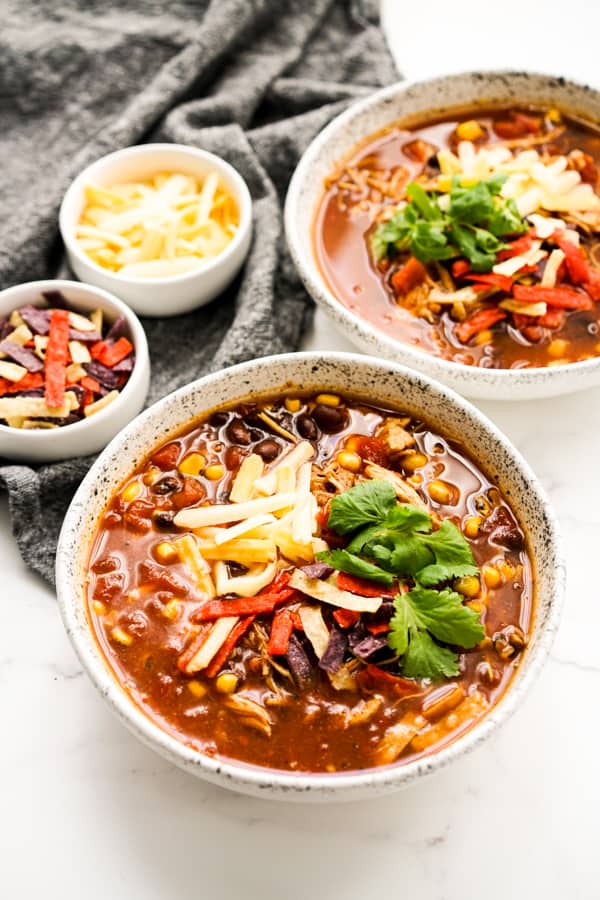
(370, 115)
(382, 383)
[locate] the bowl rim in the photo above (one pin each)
(256, 779)
(205, 267)
(309, 271)
(140, 345)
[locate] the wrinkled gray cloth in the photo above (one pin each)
(251, 80)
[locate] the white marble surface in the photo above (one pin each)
(87, 810)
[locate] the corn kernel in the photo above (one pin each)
(131, 491)
(484, 337)
(353, 443)
(214, 472)
(483, 505)
(165, 552)
(469, 586)
(474, 605)
(99, 608)
(472, 526)
(171, 610)
(330, 767)
(469, 131)
(507, 570)
(226, 683)
(328, 399)
(554, 115)
(151, 475)
(349, 460)
(440, 492)
(121, 637)
(558, 347)
(558, 362)
(197, 689)
(416, 479)
(192, 464)
(413, 461)
(292, 404)
(491, 576)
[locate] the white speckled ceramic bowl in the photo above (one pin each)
(88, 435)
(178, 293)
(406, 99)
(379, 382)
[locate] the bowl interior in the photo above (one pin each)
(381, 383)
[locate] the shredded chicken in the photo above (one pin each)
(404, 491)
(251, 713)
(394, 435)
(397, 738)
(329, 480)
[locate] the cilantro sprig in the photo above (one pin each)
(390, 541)
(475, 220)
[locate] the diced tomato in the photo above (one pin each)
(360, 586)
(517, 126)
(563, 298)
(504, 282)
(409, 276)
(192, 492)
(479, 321)
(166, 458)
(373, 450)
(375, 678)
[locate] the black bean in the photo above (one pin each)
(237, 432)
(232, 457)
(330, 419)
(163, 518)
(268, 449)
(306, 427)
(218, 419)
(256, 435)
(166, 485)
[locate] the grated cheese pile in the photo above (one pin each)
(163, 226)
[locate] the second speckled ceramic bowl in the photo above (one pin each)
(381, 383)
(424, 99)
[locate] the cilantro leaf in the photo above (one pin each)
(426, 659)
(400, 625)
(443, 614)
(453, 556)
(366, 503)
(354, 565)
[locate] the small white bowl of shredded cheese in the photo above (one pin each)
(166, 227)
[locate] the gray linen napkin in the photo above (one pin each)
(251, 80)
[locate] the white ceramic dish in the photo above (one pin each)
(178, 293)
(89, 435)
(390, 385)
(375, 113)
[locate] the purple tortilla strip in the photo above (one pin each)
(22, 355)
(116, 330)
(102, 374)
(369, 645)
(126, 365)
(318, 570)
(34, 392)
(37, 319)
(5, 327)
(298, 662)
(86, 337)
(335, 651)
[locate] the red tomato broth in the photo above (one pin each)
(341, 234)
(308, 731)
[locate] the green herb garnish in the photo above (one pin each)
(472, 225)
(390, 540)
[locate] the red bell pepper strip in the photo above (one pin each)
(361, 586)
(563, 298)
(409, 276)
(373, 678)
(222, 655)
(516, 248)
(111, 355)
(346, 618)
(57, 355)
(460, 267)
(479, 321)
(576, 263)
(504, 282)
(281, 632)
